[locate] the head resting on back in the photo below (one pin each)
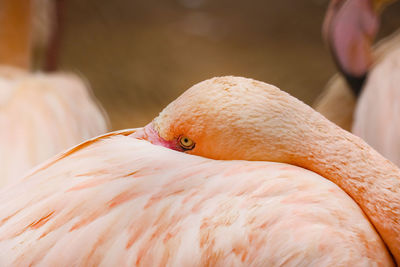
(235, 118)
(232, 118)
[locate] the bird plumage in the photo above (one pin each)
(116, 200)
(42, 115)
(373, 114)
(377, 114)
(337, 103)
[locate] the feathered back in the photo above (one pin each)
(41, 115)
(118, 201)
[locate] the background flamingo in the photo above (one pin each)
(40, 114)
(376, 113)
(116, 200)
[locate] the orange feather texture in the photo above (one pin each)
(116, 200)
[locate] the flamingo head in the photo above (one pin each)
(229, 118)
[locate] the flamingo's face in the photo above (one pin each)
(196, 121)
(225, 118)
(181, 143)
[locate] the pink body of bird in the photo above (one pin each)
(377, 114)
(42, 115)
(119, 201)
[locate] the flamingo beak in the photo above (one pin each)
(349, 28)
(149, 134)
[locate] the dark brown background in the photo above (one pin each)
(140, 55)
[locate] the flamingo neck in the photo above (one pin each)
(15, 33)
(233, 118)
(370, 179)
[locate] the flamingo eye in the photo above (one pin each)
(186, 143)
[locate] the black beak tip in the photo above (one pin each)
(356, 83)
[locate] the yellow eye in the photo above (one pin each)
(186, 143)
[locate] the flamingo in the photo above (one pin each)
(41, 114)
(235, 172)
(373, 75)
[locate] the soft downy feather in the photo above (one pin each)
(118, 201)
(41, 115)
(377, 114)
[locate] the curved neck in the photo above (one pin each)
(15, 33)
(53, 48)
(370, 179)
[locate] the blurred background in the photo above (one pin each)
(140, 55)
